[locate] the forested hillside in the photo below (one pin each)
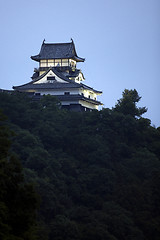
(96, 174)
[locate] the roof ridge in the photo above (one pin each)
(57, 43)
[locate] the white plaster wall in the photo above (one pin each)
(56, 92)
(72, 62)
(88, 105)
(30, 90)
(88, 93)
(68, 103)
(49, 74)
(79, 78)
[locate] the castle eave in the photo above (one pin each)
(57, 51)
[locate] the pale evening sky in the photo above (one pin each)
(118, 38)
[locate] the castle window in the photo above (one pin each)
(65, 62)
(43, 63)
(57, 62)
(66, 93)
(50, 62)
(51, 79)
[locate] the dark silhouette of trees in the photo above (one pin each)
(18, 200)
(97, 173)
(127, 104)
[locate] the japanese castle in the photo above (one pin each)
(58, 75)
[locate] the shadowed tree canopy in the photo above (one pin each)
(128, 104)
(97, 173)
(18, 200)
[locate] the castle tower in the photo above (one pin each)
(58, 75)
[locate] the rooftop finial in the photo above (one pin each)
(44, 40)
(71, 39)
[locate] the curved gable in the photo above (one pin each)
(48, 77)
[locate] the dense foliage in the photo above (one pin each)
(97, 173)
(18, 201)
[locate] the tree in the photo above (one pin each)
(97, 172)
(127, 104)
(18, 200)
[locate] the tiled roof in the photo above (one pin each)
(57, 51)
(58, 73)
(55, 85)
(77, 97)
(89, 88)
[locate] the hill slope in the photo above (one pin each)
(97, 173)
